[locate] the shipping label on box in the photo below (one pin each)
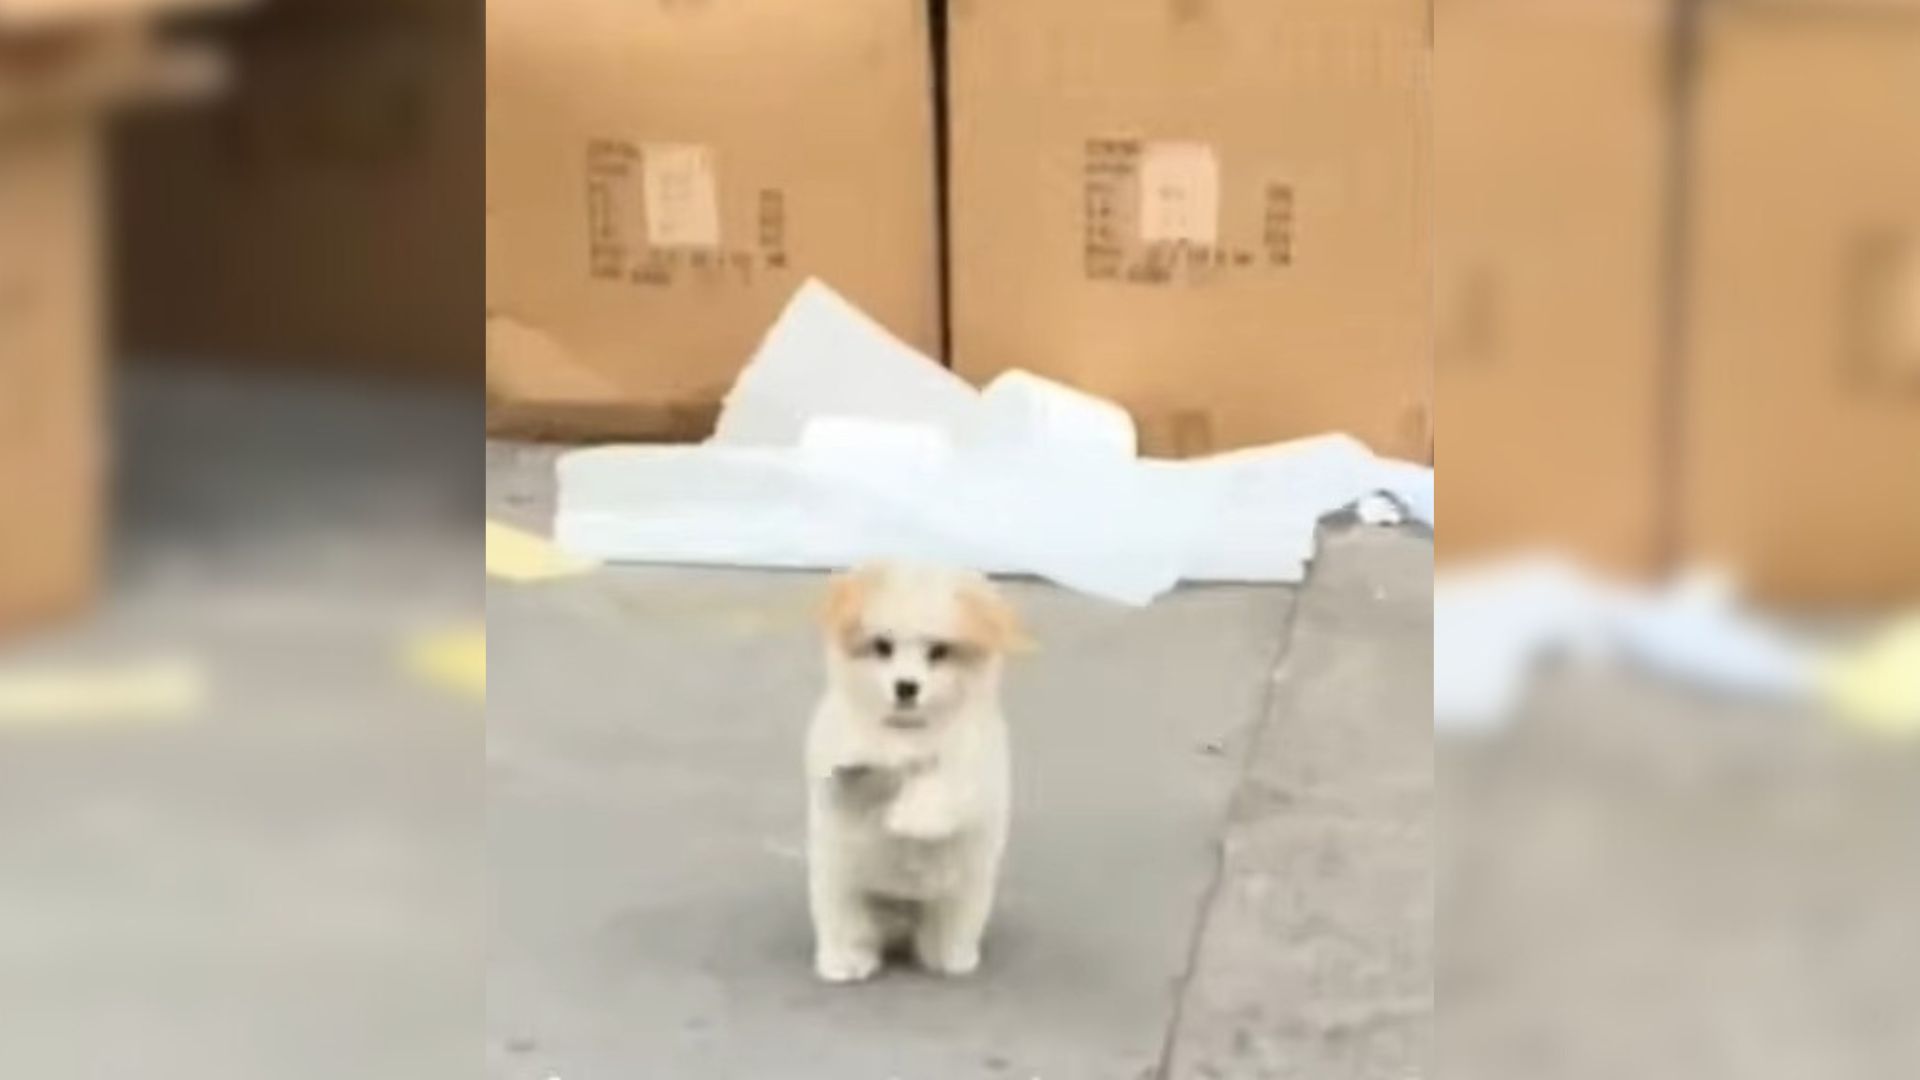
(1153, 216)
(653, 219)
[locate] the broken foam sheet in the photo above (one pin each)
(839, 444)
(1106, 525)
(1119, 530)
(825, 357)
(1276, 496)
(1495, 625)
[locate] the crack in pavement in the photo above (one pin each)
(1209, 896)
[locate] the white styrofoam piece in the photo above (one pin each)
(1116, 530)
(1494, 624)
(1048, 484)
(1409, 482)
(726, 506)
(1378, 509)
(1696, 630)
(839, 444)
(1277, 494)
(875, 444)
(825, 357)
(1124, 530)
(1021, 409)
(1109, 528)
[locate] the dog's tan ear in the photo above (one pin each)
(990, 622)
(847, 596)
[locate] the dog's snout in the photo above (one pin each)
(906, 691)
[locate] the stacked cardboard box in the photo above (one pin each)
(661, 177)
(1802, 375)
(1686, 326)
(61, 67)
(51, 439)
(1552, 252)
(1214, 212)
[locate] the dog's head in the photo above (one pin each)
(914, 644)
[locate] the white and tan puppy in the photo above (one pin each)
(907, 769)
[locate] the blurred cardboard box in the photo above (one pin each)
(61, 68)
(1802, 375)
(91, 16)
(1213, 211)
(328, 213)
(74, 60)
(52, 427)
(662, 176)
(1552, 123)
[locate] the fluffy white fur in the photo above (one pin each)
(908, 788)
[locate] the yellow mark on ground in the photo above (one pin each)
(453, 660)
(1877, 688)
(516, 555)
(150, 691)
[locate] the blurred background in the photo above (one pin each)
(240, 799)
(1676, 351)
(1676, 679)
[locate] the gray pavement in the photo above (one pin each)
(1317, 953)
(646, 834)
(1637, 881)
(284, 880)
(1214, 869)
(1224, 864)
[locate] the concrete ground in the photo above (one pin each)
(1638, 882)
(1221, 860)
(1220, 866)
(1225, 864)
(281, 880)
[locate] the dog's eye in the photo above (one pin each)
(938, 652)
(883, 648)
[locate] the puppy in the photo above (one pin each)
(907, 769)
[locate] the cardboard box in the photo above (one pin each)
(1552, 123)
(662, 176)
(328, 213)
(1213, 211)
(18, 16)
(52, 442)
(63, 66)
(1802, 392)
(79, 71)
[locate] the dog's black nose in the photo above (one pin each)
(906, 691)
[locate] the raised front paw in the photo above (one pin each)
(862, 784)
(923, 819)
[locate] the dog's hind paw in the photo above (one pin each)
(845, 965)
(948, 958)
